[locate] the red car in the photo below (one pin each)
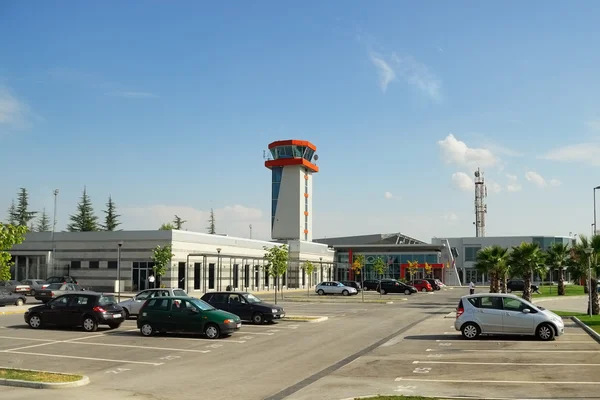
(421, 285)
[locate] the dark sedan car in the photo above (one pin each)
(245, 305)
(87, 310)
(518, 285)
(356, 285)
(8, 298)
(370, 284)
(56, 289)
(34, 285)
(14, 287)
(393, 286)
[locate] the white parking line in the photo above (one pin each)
(22, 338)
(566, 333)
(258, 333)
(517, 341)
(200, 340)
(85, 358)
(130, 346)
(28, 347)
(504, 363)
(519, 351)
(496, 381)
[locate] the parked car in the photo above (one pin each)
(9, 298)
(422, 285)
(334, 287)
(14, 287)
(185, 314)
(85, 309)
(436, 284)
(506, 314)
(132, 306)
(245, 305)
(59, 279)
(518, 285)
(356, 285)
(34, 285)
(370, 284)
(56, 289)
(393, 286)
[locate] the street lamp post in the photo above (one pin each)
(589, 252)
(321, 264)
(595, 225)
(119, 271)
(218, 269)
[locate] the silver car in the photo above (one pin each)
(505, 314)
(133, 305)
(334, 287)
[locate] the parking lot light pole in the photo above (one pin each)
(218, 269)
(119, 271)
(589, 252)
(595, 225)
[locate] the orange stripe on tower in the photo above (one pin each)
(304, 143)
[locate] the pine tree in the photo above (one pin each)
(178, 223)
(211, 223)
(111, 219)
(43, 224)
(22, 214)
(12, 211)
(84, 220)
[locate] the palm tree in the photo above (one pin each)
(491, 261)
(581, 263)
(526, 260)
(557, 257)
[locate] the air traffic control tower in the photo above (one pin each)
(291, 206)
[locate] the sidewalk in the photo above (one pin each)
(564, 303)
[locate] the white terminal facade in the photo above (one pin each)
(202, 262)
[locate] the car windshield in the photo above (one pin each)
(252, 299)
(340, 284)
(54, 286)
(107, 300)
(179, 292)
(202, 305)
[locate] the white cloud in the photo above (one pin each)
(450, 217)
(463, 182)
(385, 72)
(388, 195)
(135, 95)
(584, 153)
(513, 185)
(457, 152)
(13, 112)
(232, 220)
(418, 74)
(494, 187)
(539, 180)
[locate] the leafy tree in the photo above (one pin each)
(428, 270)
(277, 263)
(166, 227)
(84, 220)
(211, 223)
(558, 258)
(379, 267)
(111, 218)
(22, 215)
(526, 260)
(492, 261)
(10, 235)
(43, 224)
(161, 256)
(12, 211)
(581, 263)
(357, 266)
(309, 268)
(178, 222)
(413, 267)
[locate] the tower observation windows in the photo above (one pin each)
(292, 152)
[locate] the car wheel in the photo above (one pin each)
(126, 315)
(35, 321)
(147, 329)
(407, 292)
(212, 331)
(545, 332)
(382, 291)
(424, 290)
(89, 324)
(19, 302)
(508, 290)
(320, 292)
(32, 292)
(258, 318)
(470, 331)
(114, 325)
(345, 293)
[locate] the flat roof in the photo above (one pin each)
(390, 248)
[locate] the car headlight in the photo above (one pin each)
(229, 321)
(274, 311)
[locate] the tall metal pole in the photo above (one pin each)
(594, 210)
(250, 231)
(589, 252)
(218, 285)
(119, 272)
(52, 235)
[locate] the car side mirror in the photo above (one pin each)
(526, 311)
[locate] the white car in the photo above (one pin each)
(505, 314)
(334, 287)
(133, 305)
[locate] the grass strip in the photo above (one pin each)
(37, 376)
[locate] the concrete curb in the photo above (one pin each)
(305, 318)
(44, 385)
(587, 329)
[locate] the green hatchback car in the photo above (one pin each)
(186, 315)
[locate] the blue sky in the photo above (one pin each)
(168, 107)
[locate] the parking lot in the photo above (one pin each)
(433, 360)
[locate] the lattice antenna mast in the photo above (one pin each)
(480, 206)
